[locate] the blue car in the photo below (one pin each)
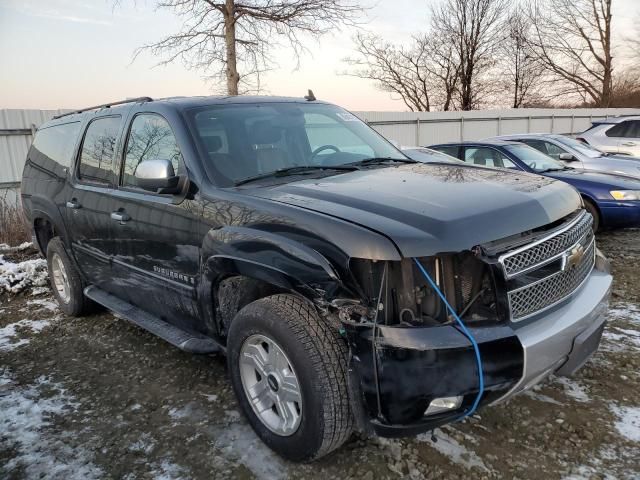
(613, 200)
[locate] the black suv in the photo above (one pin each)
(349, 286)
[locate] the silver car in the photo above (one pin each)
(614, 135)
(574, 153)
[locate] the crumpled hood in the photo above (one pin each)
(430, 208)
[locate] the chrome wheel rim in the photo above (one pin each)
(271, 385)
(60, 278)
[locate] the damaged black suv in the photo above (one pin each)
(350, 287)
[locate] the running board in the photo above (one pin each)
(187, 341)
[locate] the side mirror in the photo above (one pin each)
(567, 157)
(157, 176)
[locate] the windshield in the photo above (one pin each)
(535, 159)
(426, 155)
(243, 141)
(582, 147)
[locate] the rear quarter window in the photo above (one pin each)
(55, 144)
(98, 150)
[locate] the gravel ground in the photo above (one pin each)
(96, 397)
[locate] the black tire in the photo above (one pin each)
(313, 348)
(591, 208)
(76, 304)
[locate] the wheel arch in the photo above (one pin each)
(250, 264)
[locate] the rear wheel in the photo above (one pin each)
(65, 280)
(288, 369)
(591, 208)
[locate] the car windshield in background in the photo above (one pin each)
(248, 142)
(426, 155)
(535, 159)
(582, 147)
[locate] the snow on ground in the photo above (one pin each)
(239, 444)
(628, 424)
(44, 303)
(9, 334)
(15, 277)
(453, 450)
(25, 414)
(4, 248)
(572, 389)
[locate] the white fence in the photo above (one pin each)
(406, 128)
(428, 128)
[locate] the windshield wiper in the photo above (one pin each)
(283, 172)
(381, 160)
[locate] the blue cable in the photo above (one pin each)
(466, 333)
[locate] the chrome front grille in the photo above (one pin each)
(547, 292)
(555, 266)
(548, 249)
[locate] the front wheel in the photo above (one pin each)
(591, 208)
(288, 369)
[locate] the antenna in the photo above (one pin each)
(310, 97)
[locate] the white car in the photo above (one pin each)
(615, 135)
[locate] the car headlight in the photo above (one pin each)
(625, 194)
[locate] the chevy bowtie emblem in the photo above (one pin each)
(572, 257)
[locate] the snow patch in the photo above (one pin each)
(4, 248)
(454, 451)
(573, 389)
(239, 444)
(167, 470)
(628, 424)
(24, 416)
(44, 303)
(15, 277)
(9, 333)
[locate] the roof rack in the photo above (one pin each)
(106, 105)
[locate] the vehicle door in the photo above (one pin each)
(89, 204)
(628, 140)
(158, 235)
(554, 151)
(487, 157)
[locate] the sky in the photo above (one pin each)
(74, 53)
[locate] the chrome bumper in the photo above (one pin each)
(562, 340)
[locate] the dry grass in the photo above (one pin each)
(14, 229)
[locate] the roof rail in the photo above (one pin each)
(106, 105)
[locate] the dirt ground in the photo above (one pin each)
(96, 397)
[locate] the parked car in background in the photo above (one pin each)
(612, 200)
(614, 135)
(577, 154)
(350, 287)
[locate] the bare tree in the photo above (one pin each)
(233, 39)
(422, 74)
(394, 69)
(572, 39)
(473, 28)
(520, 68)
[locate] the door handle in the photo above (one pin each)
(629, 144)
(121, 217)
(73, 203)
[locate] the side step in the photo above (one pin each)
(187, 341)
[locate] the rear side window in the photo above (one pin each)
(98, 150)
(619, 130)
(150, 138)
(56, 143)
(449, 150)
(487, 157)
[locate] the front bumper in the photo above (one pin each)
(397, 374)
(563, 339)
(620, 214)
